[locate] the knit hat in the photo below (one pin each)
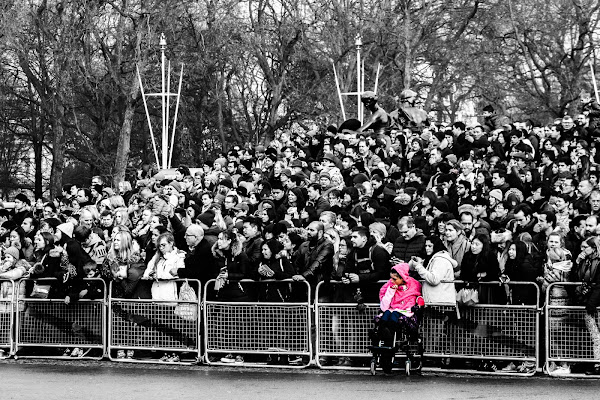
(222, 161)
(66, 228)
(441, 205)
(13, 252)
(496, 194)
(175, 185)
(452, 159)
(379, 228)
(227, 183)
(360, 178)
(109, 192)
(207, 218)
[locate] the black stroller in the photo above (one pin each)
(391, 341)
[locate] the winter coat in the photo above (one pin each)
(478, 268)
(160, 266)
(237, 265)
(277, 291)
(95, 248)
(127, 287)
(457, 251)
(404, 297)
(315, 262)
(440, 268)
(405, 249)
(13, 272)
(371, 264)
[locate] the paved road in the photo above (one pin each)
(90, 380)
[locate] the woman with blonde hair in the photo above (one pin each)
(124, 266)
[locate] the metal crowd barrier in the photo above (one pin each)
(49, 328)
(567, 337)
(7, 316)
(151, 331)
(263, 333)
(483, 332)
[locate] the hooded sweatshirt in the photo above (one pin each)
(440, 268)
(403, 298)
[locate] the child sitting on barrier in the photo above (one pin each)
(91, 289)
(400, 298)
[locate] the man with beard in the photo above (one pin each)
(314, 257)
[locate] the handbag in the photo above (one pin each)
(467, 297)
(187, 311)
(582, 292)
(40, 291)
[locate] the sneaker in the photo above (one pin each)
(121, 354)
(561, 371)
(526, 367)
(344, 362)
(76, 351)
(239, 360)
(2, 355)
(67, 353)
(594, 371)
(174, 358)
(549, 368)
(129, 354)
(229, 359)
(510, 368)
(296, 360)
(164, 358)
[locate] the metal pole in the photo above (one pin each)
(594, 81)
(163, 45)
(175, 117)
(147, 115)
(337, 85)
(358, 80)
(168, 112)
(362, 89)
(377, 78)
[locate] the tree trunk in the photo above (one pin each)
(407, 47)
(124, 144)
(58, 150)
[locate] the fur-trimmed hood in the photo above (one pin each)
(236, 249)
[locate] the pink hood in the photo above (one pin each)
(400, 299)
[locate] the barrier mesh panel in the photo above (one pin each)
(344, 330)
(480, 331)
(55, 323)
(569, 337)
(494, 332)
(151, 326)
(5, 322)
(262, 327)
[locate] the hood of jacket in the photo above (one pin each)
(236, 249)
(445, 255)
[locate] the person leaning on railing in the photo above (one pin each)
(586, 271)
(124, 266)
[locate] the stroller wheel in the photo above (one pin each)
(407, 367)
(373, 366)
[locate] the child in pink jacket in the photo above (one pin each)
(398, 298)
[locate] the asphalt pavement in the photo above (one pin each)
(48, 380)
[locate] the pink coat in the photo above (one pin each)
(398, 299)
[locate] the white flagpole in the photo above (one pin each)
(175, 117)
(337, 85)
(594, 81)
(147, 115)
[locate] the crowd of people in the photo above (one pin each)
(495, 201)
